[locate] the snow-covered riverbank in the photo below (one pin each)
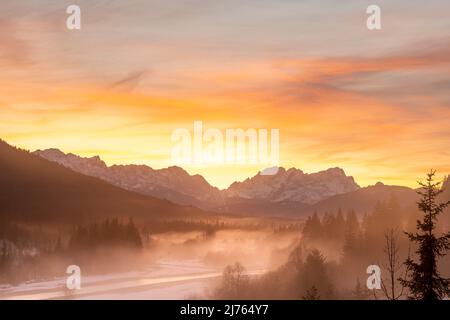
(162, 280)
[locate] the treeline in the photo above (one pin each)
(210, 226)
(331, 226)
(360, 239)
(21, 250)
(161, 226)
(305, 276)
(33, 253)
(289, 227)
(406, 244)
(110, 233)
(338, 226)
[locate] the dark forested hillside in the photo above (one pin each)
(365, 199)
(33, 189)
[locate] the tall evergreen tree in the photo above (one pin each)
(315, 274)
(424, 280)
(313, 227)
(350, 248)
(351, 222)
(340, 224)
(329, 226)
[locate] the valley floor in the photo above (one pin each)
(162, 281)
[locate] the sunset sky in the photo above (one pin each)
(375, 103)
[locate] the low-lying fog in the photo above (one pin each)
(262, 249)
(170, 265)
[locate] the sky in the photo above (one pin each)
(373, 102)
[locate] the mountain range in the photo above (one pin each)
(289, 192)
(33, 189)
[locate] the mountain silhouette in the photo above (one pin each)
(33, 189)
(288, 193)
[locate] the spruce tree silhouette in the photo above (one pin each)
(424, 281)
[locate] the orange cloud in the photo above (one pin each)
(324, 107)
